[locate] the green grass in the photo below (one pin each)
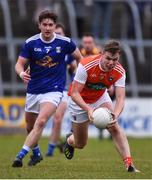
(99, 160)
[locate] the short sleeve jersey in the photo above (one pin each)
(95, 80)
(47, 62)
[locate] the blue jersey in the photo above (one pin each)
(47, 62)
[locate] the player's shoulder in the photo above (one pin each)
(33, 38)
(97, 50)
(119, 68)
(90, 59)
(62, 38)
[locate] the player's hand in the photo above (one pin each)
(25, 76)
(28, 70)
(90, 114)
(113, 122)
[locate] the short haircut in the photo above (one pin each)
(112, 46)
(47, 15)
(88, 34)
(59, 25)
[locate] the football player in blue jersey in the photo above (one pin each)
(45, 53)
(60, 111)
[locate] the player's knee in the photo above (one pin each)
(40, 123)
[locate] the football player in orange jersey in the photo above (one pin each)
(94, 75)
(89, 46)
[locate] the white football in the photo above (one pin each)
(102, 117)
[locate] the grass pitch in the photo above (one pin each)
(99, 160)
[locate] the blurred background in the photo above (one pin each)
(128, 21)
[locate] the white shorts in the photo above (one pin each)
(33, 101)
(79, 115)
(65, 96)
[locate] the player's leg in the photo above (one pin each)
(122, 145)
(77, 139)
(56, 129)
(46, 110)
(30, 119)
(80, 134)
(118, 135)
(43, 115)
(120, 141)
(31, 112)
(80, 122)
(46, 104)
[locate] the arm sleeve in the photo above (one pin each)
(71, 47)
(81, 74)
(121, 82)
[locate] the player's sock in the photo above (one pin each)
(25, 149)
(36, 151)
(127, 161)
(51, 147)
(129, 165)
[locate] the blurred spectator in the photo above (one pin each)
(88, 46)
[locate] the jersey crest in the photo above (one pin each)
(46, 62)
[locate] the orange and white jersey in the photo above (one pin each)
(95, 80)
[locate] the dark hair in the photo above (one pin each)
(88, 34)
(59, 25)
(47, 14)
(112, 46)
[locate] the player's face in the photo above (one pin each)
(88, 43)
(47, 27)
(59, 31)
(109, 61)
